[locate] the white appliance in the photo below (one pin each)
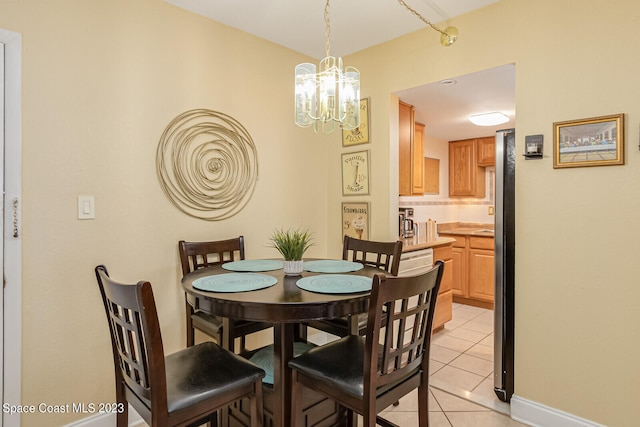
(415, 262)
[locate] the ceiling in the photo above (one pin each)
(359, 24)
(445, 107)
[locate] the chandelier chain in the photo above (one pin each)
(327, 24)
(422, 18)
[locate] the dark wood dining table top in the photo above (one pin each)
(281, 303)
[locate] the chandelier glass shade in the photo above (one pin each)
(327, 95)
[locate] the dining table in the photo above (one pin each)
(259, 290)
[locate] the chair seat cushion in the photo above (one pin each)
(339, 363)
(212, 325)
(206, 322)
(203, 371)
(341, 324)
(343, 321)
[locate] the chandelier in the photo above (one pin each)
(329, 94)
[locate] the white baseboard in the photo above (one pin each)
(537, 415)
(108, 420)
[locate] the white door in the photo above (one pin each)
(10, 247)
(2, 218)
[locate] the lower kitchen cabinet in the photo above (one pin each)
(473, 270)
(444, 306)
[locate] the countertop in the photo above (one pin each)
(410, 244)
(467, 229)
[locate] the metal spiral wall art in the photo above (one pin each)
(207, 164)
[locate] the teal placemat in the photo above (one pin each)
(253, 265)
(234, 282)
(335, 284)
(332, 266)
(264, 358)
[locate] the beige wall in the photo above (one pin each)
(102, 79)
(577, 293)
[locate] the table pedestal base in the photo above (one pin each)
(319, 411)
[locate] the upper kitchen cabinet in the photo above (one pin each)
(417, 175)
(486, 149)
(411, 152)
(466, 176)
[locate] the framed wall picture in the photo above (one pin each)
(355, 220)
(355, 173)
(359, 135)
(598, 141)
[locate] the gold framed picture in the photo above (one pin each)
(359, 135)
(355, 220)
(355, 173)
(598, 141)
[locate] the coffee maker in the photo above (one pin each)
(406, 226)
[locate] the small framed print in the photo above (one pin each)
(359, 135)
(355, 220)
(598, 141)
(355, 173)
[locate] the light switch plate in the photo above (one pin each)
(86, 207)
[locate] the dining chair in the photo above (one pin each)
(183, 388)
(196, 255)
(382, 255)
(367, 374)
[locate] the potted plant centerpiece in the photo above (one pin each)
(292, 244)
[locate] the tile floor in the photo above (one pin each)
(461, 377)
(462, 356)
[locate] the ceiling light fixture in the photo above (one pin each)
(447, 37)
(329, 96)
(488, 119)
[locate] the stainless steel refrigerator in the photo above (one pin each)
(504, 264)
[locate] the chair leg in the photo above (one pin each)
(297, 418)
(301, 332)
(122, 418)
(369, 420)
(213, 419)
(257, 413)
(423, 407)
(190, 332)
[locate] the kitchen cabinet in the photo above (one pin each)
(486, 151)
(431, 176)
(444, 306)
(417, 157)
(473, 270)
(410, 264)
(411, 152)
(466, 177)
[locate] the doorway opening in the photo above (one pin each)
(463, 356)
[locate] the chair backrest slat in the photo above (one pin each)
(400, 346)
(136, 339)
(382, 255)
(196, 255)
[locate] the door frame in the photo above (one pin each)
(12, 237)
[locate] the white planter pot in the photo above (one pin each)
(293, 268)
